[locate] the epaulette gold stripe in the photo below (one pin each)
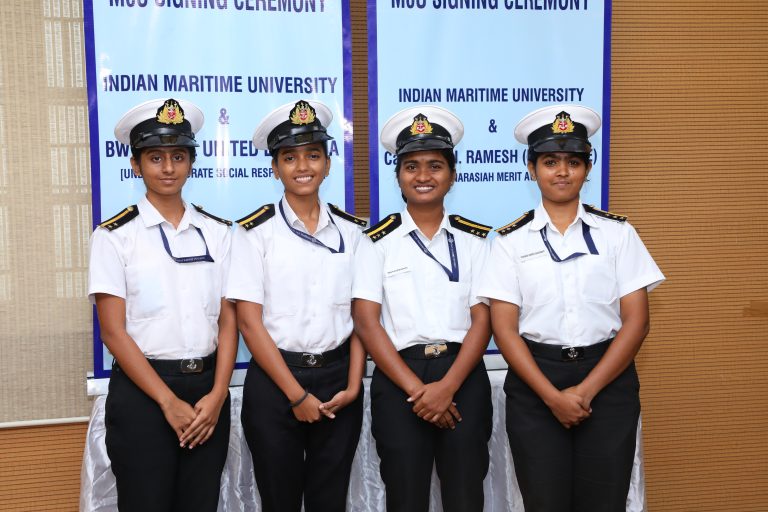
(513, 222)
(118, 216)
(478, 226)
(383, 226)
(254, 216)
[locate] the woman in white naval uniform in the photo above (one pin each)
(291, 279)
(569, 287)
(156, 275)
(417, 313)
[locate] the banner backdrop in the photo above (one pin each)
(490, 62)
(237, 60)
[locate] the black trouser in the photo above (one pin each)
(292, 459)
(408, 446)
(152, 473)
(586, 468)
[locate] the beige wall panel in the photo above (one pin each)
(45, 214)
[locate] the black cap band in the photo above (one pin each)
(289, 134)
(543, 140)
(437, 138)
(151, 133)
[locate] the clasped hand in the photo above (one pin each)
(194, 425)
(434, 403)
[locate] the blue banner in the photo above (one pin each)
(237, 60)
(490, 62)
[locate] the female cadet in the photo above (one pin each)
(157, 272)
(291, 278)
(569, 287)
(417, 313)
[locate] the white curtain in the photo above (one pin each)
(366, 490)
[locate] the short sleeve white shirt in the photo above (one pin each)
(419, 304)
(574, 302)
(305, 289)
(172, 309)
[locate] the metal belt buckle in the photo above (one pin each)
(572, 353)
(192, 365)
(312, 360)
(435, 349)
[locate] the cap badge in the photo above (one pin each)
(420, 125)
(563, 123)
(302, 113)
(170, 113)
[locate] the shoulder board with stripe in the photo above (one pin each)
(347, 216)
(384, 227)
(257, 217)
(468, 226)
(602, 213)
(121, 219)
(212, 216)
(517, 223)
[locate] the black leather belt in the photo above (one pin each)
(311, 360)
(183, 366)
(430, 350)
(567, 353)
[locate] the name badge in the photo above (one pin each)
(397, 271)
(533, 255)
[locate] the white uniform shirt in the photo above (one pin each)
(419, 304)
(172, 309)
(306, 290)
(575, 302)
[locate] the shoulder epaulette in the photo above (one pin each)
(121, 219)
(347, 216)
(257, 217)
(384, 227)
(212, 216)
(602, 213)
(468, 226)
(517, 223)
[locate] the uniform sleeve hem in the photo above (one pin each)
(648, 282)
(367, 295)
(499, 295)
(236, 295)
(104, 289)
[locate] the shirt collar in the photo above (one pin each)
(541, 218)
(409, 224)
(152, 217)
(295, 222)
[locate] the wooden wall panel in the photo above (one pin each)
(359, 20)
(689, 88)
(40, 468)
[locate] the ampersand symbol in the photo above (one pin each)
(223, 117)
(492, 127)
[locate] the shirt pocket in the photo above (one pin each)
(400, 299)
(148, 292)
(457, 306)
(598, 278)
(207, 281)
(338, 272)
(538, 283)
(284, 289)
